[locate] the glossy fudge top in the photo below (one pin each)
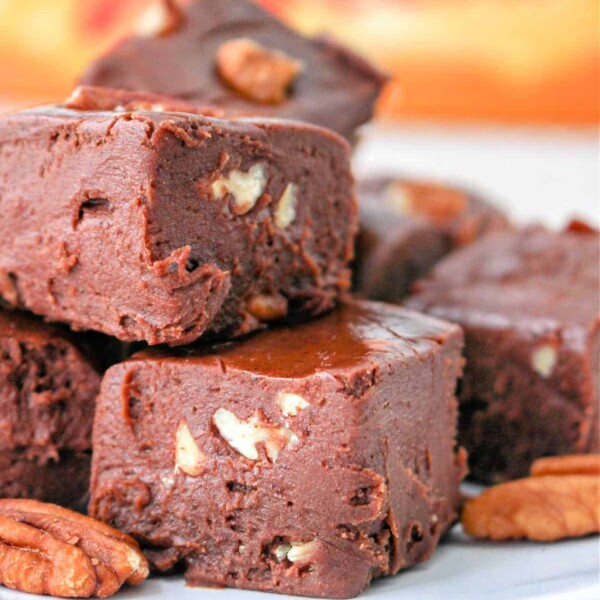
(355, 334)
(531, 274)
(332, 87)
(98, 98)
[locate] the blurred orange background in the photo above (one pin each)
(510, 61)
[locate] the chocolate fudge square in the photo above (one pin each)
(160, 226)
(305, 460)
(529, 304)
(234, 55)
(49, 380)
(407, 226)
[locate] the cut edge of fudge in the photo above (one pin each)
(49, 379)
(274, 198)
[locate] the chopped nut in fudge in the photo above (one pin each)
(49, 380)
(159, 226)
(529, 303)
(234, 55)
(306, 460)
(407, 226)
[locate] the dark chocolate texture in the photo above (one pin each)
(335, 88)
(529, 304)
(159, 226)
(407, 226)
(63, 479)
(48, 386)
(306, 460)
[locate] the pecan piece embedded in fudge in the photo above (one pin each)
(529, 303)
(307, 460)
(407, 226)
(49, 379)
(234, 55)
(159, 226)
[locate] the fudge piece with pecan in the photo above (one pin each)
(234, 55)
(306, 460)
(407, 226)
(148, 224)
(529, 303)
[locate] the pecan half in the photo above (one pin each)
(46, 549)
(261, 74)
(543, 509)
(573, 464)
(428, 200)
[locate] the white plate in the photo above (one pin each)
(461, 569)
(546, 176)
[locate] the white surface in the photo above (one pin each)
(461, 569)
(545, 176)
(542, 176)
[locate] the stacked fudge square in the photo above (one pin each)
(407, 226)
(527, 299)
(528, 302)
(307, 459)
(49, 380)
(192, 207)
(270, 434)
